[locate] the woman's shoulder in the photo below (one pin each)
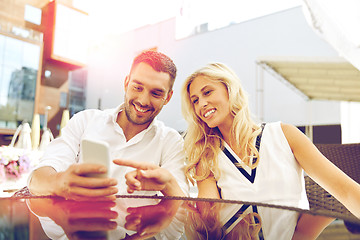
(280, 132)
(272, 125)
(279, 125)
(277, 133)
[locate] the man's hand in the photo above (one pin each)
(73, 184)
(149, 177)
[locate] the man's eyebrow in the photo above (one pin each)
(137, 82)
(161, 90)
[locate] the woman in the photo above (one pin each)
(220, 129)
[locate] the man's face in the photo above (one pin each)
(146, 92)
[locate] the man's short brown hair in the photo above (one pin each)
(159, 62)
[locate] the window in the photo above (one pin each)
(19, 65)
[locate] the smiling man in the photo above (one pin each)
(146, 92)
(132, 132)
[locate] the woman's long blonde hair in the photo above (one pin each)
(203, 144)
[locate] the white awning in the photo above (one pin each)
(321, 78)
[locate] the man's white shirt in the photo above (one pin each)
(157, 144)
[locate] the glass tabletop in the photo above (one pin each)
(158, 217)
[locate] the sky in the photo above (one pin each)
(118, 16)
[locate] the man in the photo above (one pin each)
(133, 134)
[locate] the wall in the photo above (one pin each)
(285, 33)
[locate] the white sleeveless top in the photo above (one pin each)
(278, 179)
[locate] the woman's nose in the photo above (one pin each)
(203, 103)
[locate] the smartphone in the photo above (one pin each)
(97, 152)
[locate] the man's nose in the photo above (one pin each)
(144, 98)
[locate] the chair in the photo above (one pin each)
(347, 158)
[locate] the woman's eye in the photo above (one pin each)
(195, 101)
(207, 92)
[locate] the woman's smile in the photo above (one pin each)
(209, 112)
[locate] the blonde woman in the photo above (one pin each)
(230, 156)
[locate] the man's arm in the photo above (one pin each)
(42, 181)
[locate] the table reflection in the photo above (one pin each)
(126, 218)
(136, 217)
(73, 219)
(214, 220)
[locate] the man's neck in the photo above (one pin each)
(130, 129)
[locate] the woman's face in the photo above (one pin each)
(211, 102)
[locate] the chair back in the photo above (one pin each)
(347, 158)
(344, 156)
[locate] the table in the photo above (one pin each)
(146, 217)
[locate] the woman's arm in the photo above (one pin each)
(310, 226)
(323, 171)
(207, 188)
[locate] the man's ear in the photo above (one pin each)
(168, 97)
(126, 82)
